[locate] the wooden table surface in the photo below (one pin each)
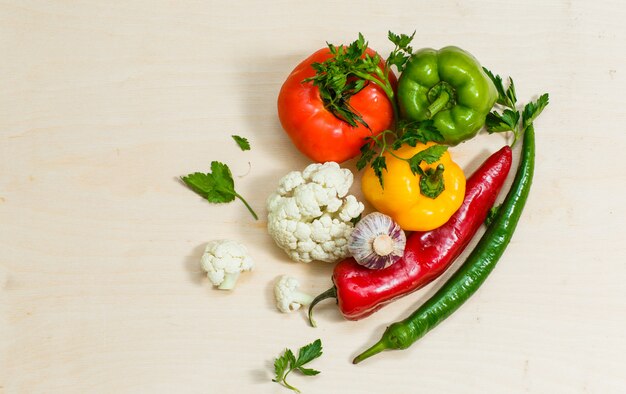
(104, 104)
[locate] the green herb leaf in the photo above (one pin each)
(402, 51)
(429, 155)
(510, 94)
(216, 186)
(378, 165)
(367, 154)
(204, 185)
(344, 74)
(242, 142)
(507, 121)
(287, 363)
(280, 366)
(414, 132)
(497, 81)
(291, 359)
(506, 97)
(533, 109)
(308, 371)
(309, 352)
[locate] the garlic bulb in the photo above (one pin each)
(377, 241)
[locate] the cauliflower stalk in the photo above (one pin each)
(310, 215)
(288, 297)
(223, 261)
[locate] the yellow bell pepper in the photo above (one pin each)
(402, 198)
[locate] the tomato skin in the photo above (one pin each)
(314, 130)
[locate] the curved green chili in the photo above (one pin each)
(479, 264)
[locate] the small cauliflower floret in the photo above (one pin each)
(310, 214)
(288, 297)
(223, 261)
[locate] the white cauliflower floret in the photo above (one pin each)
(288, 297)
(309, 215)
(223, 261)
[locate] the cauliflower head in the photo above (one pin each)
(309, 215)
(223, 260)
(288, 296)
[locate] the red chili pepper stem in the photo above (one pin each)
(330, 293)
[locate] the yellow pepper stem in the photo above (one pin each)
(431, 183)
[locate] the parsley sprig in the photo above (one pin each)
(351, 68)
(509, 118)
(216, 186)
(410, 133)
(288, 362)
(242, 142)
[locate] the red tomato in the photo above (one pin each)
(318, 133)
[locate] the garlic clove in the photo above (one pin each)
(377, 241)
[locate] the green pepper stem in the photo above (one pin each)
(438, 104)
(374, 350)
(330, 293)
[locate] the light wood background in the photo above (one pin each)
(104, 104)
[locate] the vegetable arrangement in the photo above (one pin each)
(360, 291)
(346, 101)
(474, 271)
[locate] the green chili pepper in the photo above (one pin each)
(475, 269)
(450, 87)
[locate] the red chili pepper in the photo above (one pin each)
(362, 291)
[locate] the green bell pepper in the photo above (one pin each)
(450, 87)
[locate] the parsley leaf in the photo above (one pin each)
(507, 121)
(431, 180)
(497, 81)
(533, 109)
(367, 154)
(216, 186)
(414, 132)
(242, 142)
(411, 133)
(506, 97)
(204, 185)
(378, 165)
(429, 155)
(280, 366)
(309, 352)
(510, 118)
(402, 52)
(308, 371)
(287, 362)
(350, 68)
(510, 93)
